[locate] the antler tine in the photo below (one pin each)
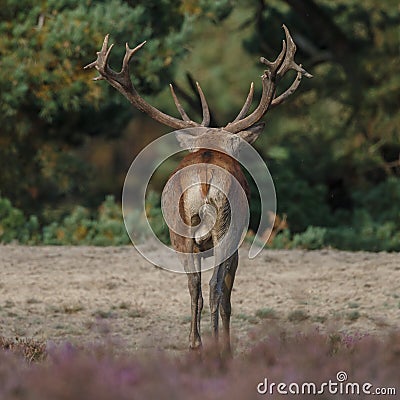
(204, 106)
(274, 66)
(289, 63)
(105, 49)
(101, 63)
(178, 104)
(282, 97)
(268, 92)
(129, 54)
(122, 82)
(271, 77)
(247, 104)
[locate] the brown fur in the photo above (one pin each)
(224, 274)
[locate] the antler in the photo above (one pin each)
(122, 82)
(271, 77)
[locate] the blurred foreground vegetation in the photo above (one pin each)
(333, 150)
(305, 362)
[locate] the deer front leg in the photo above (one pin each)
(225, 309)
(194, 284)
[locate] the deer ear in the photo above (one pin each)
(251, 134)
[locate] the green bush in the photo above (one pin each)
(12, 221)
(15, 227)
(282, 241)
(373, 226)
(73, 229)
(368, 237)
(109, 228)
(105, 228)
(80, 227)
(313, 238)
(156, 219)
(374, 237)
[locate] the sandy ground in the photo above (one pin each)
(82, 294)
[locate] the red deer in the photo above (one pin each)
(205, 207)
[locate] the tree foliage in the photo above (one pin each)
(48, 103)
(333, 149)
(341, 134)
